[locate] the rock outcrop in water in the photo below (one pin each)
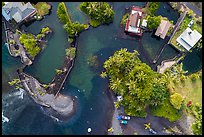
(59, 105)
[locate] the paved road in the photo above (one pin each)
(195, 9)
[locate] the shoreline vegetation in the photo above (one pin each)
(141, 87)
(98, 12)
(72, 28)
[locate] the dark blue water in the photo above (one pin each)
(26, 117)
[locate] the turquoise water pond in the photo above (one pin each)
(26, 117)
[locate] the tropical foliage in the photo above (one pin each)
(62, 13)
(43, 8)
(30, 44)
(176, 100)
(45, 30)
(153, 21)
(197, 125)
(166, 110)
(124, 19)
(135, 82)
(14, 81)
(98, 12)
(58, 71)
(72, 28)
(103, 75)
(71, 52)
(153, 6)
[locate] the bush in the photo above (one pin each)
(94, 23)
(58, 71)
(71, 52)
(124, 19)
(176, 100)
(153, 6)
(39, 36)
(100, 12)
(166, 110)
(62, 13)
(197, 125)
(74, 28)
(43, 8)
(45, 30)
(194, 76)
(153, 21)
(30, 44)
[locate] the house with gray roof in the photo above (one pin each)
(188, 38)
(18, 11)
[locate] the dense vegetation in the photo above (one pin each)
(71, 52)
(153, 21)
(98, 12)
(62, 13)
(43, 8)
(166, 110)
(197, 125)
(153, 6)
(176, 100)
(30, 44)
(72, 28)
(124, 19)
(135, 81)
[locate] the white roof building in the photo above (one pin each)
(144, 23)
(189, 38)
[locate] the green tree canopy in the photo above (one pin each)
(135, 81)
(98, 11)
(153, 6)
(176, 100)
(153, 21)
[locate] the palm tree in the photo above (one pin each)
(103, 75)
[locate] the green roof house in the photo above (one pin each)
(18, 11)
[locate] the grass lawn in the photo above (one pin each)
(190, 90)
(42, 8)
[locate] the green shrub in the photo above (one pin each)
(94, 23)
(39, 36)
(30, 44)
(100, 12)
(197, 125)
(71, 52)
(58, 71)
(166, 110)
(153, 21)
(43, 8)
(153, 6)
(176, 100)
(45, 30)
(62, 13)
(124, 19)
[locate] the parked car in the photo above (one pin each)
(124, 122)
(125, 117)
(190, 24)
(119, 117)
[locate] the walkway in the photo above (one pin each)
(193, 8)
(180, 19)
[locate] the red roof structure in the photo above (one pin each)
(133, 26)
